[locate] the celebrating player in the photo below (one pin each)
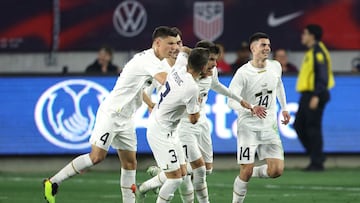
(258, 82)
(114, 120)
(179, 95)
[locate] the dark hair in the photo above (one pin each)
(108, 50)
(315, 30)
(198, 58)
(213, 49)
(164, 31)
(258, 35)
(177, 30)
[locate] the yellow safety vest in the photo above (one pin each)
(306, 78)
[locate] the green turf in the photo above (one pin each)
(333, 185)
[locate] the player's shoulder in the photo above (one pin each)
(274, 65)
(244, 69)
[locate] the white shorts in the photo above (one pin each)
(266, 144)
(166, 148)
(114, 130)
(196, 140)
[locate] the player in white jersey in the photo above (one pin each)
(114, 120)
(179, 97)
(196, 139)
(258, 82)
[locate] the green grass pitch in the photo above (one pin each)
(333, 185)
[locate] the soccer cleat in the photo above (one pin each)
(139, 196)
(153, 171)
(50, 190)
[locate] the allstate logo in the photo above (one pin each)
(65, 112)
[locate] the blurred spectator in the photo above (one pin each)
(103, 63)
(223, 67)
(243, 56)
(287, 67)
(355, 65)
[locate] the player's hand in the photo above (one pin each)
(314, 102)
(259, 111)
(151, 107)
(286, 116)
(185, 49)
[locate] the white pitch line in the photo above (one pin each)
(303, 187)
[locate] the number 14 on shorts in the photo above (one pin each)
(244, 153)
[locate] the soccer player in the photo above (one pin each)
(258, 82)
(196, 139)
(114, 123)
(180, 95)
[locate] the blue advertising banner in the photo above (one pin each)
(55, 115)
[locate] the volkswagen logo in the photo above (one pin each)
(65, 112)
(129, 18)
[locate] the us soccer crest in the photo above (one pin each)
(208, 19)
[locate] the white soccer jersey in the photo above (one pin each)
(212, 82)
(258, 86)
(126, 96)
(181, 60)
(180, 93)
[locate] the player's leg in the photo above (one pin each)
(101, 139)
(188, 134)
(199, 180)
(205, 146)
(274, 156)
(241, 183)
(128, 174)
(126, 144)
(246, 149)
(163, 145)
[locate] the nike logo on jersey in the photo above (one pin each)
(277, 21)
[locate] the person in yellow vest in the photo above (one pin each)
(314, 81)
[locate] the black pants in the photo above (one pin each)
(308, 126)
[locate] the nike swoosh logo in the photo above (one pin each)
(276, 21)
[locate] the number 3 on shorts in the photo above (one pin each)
(244, 153)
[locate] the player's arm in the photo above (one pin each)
(220, 88)
(182, 58)
(148, 101)
(192, 104)
(236, 86)
(281, 96)
(161, 77)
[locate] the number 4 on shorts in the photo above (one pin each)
(104, 138)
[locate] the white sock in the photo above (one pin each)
(188, 168)
(260, 171)
(200, 185)
(76, 166)
(240, 189)
(187, 190)
(166, 192)
(127, 179)
(209, 171)
(154, 182)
